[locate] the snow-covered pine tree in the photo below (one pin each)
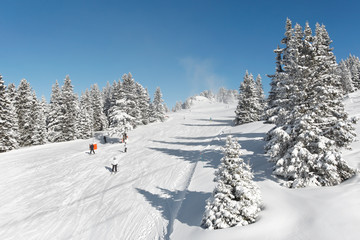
(306, 147)
(86, 102)
(345, 78)
(271, 108)
(225, 95)
(130, 99)
(236, 199)
(85, 125)
(11, 90)
(286, 90)
(350, 67)
(44, 105)
(327, 91)
(23, 105)
(261, 96)
(116, 93)
(158, 105)
(38, 122)
(221, 95)
(187, 104)
(289, 80)
(107, 94)
(353, 64)
(152, 113)
(178, 106)
(45, 108)
(119, 120)
(99, 118)
(166, 108)
(85, 118)
(248, 107)
(8, 124)
(143, 103)
(208, 94)
(69, 111)
(55, 116)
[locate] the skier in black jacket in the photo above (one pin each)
(92, 148)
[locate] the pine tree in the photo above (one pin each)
(158, 105)
(69, 111)
(274, 93)
(221, 95)
(55, 116)
(188, 102)
(260, 97)
(350, 67)
(249, 106)
(23, 105)
(143, 103)
(117, 93)
(208, 94)
(38, 122)
(8, 125)
(130, 99)
(345, 78)
(99, 118)
(107, 94)
(44, 106)
(11, 90)
(353, 64)
(289, 82)
(178, 106)
(236, 199)
(85, 116)
(119, 120)
(306, 144)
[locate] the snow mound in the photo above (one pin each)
(201, 99)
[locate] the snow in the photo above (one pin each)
(59, 191)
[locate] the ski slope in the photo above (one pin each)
(60, 191)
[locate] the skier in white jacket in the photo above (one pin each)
(114, 163)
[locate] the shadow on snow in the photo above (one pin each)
(167, 203)
(251, 143)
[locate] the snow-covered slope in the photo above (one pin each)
(59, 191)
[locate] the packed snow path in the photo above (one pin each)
(61, 191)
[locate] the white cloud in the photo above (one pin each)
(201, 75)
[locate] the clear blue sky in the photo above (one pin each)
(184, 47)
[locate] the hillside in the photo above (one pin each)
(59, 191)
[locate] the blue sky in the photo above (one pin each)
(184, 47)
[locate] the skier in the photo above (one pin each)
(124, 136)
(125, 146)
(92, 148)
(104, 139)
(114, 164)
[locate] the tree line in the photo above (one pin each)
(305, 104)
(26, 120)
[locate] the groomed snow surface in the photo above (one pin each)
(60, 191)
